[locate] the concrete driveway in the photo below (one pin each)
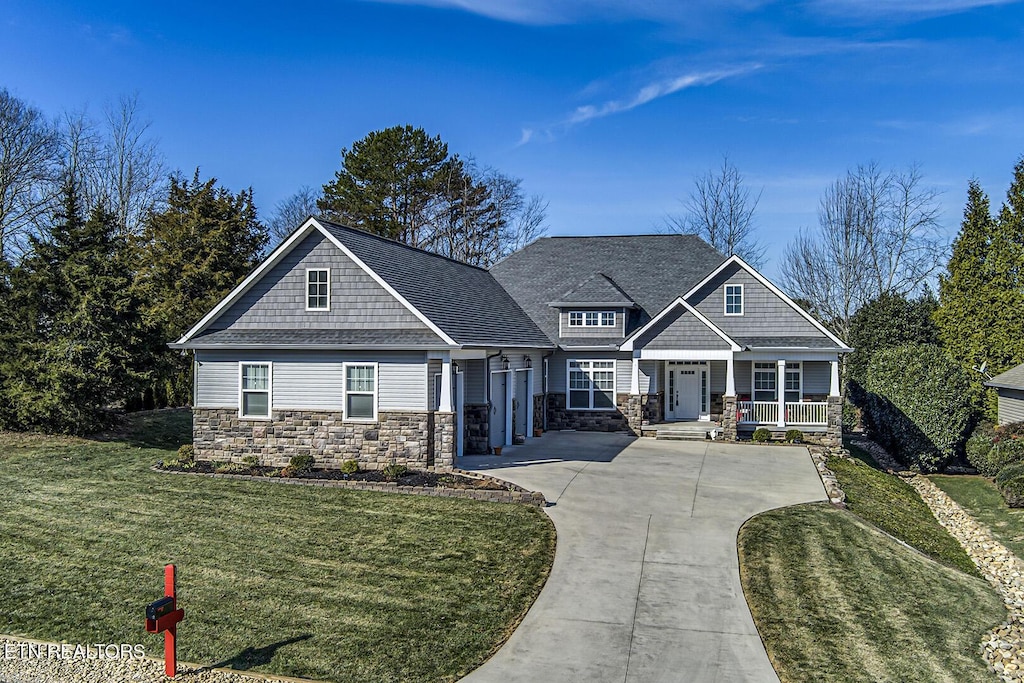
(645, 584)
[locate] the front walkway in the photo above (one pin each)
(645, 584)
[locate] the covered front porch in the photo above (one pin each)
(735, 392)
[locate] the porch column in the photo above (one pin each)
(445, 406)
(730, 377)
(780, 390)
(634, 377)
(834, 387)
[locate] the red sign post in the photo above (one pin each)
(163, 616)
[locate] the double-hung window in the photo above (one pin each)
(361, 391)
(254, 390)
(793, 382)
(764, 381)
(591, 384)
(318, 289)
(734, 299)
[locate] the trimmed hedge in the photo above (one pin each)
(1011, 471)
(1013, 492)
(921, 405)
(978, 447)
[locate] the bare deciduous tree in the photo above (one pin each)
(29, 171)
(720, 210)
(878, 233)
(133, 172)
(290, 212)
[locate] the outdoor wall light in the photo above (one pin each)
(504, 363)
(528, 361)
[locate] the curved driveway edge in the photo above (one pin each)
(645, 584)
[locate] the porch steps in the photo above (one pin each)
(679, 431)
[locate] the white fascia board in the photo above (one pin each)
(627, 345)
(384, 283)
(681, 354)
(268, 263)
(773, 289)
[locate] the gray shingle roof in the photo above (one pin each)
(1011, 379)
(309, 338)
(596, 290)
(464, 301)
(821, 342)
(651, 270)
(591, 341)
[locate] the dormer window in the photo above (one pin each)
(318, 289)
(734, 299)
(591, 318)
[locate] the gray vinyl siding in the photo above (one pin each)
(681, 330)
(306, 380)
(648, 372)
(433, 368)
(1011, 406)
(743, 369)
(473, 381)
(817, 377)
(719, 369)
(278, 300)
(583, 332)
(764, 313)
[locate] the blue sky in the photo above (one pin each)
(607, 108)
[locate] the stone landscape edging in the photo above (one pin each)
(512, 493)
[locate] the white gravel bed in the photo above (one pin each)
(20, 665)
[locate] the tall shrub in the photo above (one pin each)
(921, 404)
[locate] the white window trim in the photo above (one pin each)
(798, 369)
(753, 374)
(345, 392)
(615, 379)
(583, 319)
(269, 390)
(725, 302)
(306, 289)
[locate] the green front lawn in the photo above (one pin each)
(894, 506)
(980, 497)
(295, 580)
(836, 600)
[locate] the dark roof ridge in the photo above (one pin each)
(389, 240)
(626, 234)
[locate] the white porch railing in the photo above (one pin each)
(767, 413)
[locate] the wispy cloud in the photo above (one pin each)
(908, 9)
(655, 90)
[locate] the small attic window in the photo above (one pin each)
(591, 318)
(318, 289)
(734, 299)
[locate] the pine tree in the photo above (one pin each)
(190, 255)
(389, 183)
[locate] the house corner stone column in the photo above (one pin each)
(834, 417)
(729, 432)
(634, 412)
(444, 441)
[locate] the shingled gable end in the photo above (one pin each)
(348, 346)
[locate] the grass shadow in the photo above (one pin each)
(163, 430)
(252, 657)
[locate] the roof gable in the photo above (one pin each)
(675, 323)
(1011, 379)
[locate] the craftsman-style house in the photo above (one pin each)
(344, 345)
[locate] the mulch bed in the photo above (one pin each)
(413, 478)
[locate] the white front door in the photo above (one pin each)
(684, 393)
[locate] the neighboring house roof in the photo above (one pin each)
(596, 290)
(650, 270)
(311, 338)
(1011, 379)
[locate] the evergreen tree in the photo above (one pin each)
(885, 322)
(389, 183)
(79, 348)
(981, 297)
(190, 255)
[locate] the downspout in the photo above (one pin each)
(487, 389)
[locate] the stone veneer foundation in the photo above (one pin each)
(475, 436)
(560, 417)
(413, 439)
